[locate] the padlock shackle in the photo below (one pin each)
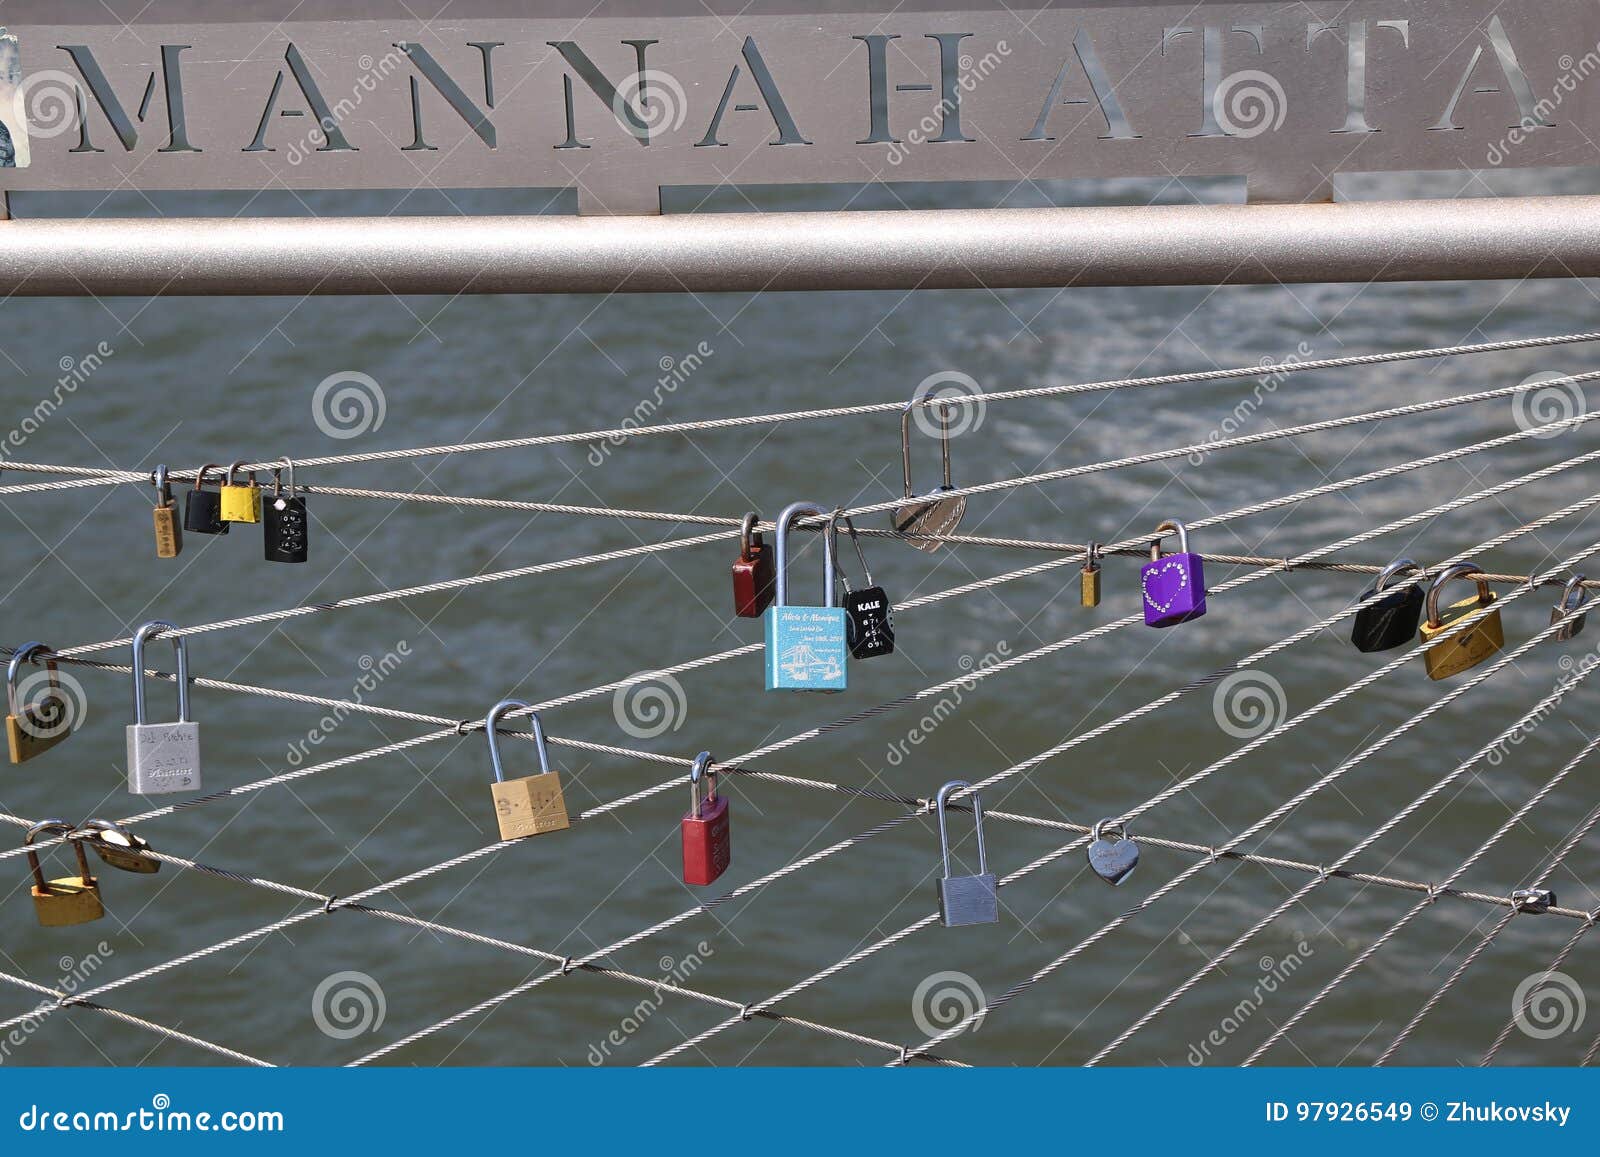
(18, 657)
(148, 631)
(977, 819)
(1394, 570)
(701, 769)
(905, 439)
(832, 532)
(747, 530)
(493, 718)
(1574, 587)
(1454, 571)
(61, 827)
(161, 479)
(1109, 824)
(209, 467)
(1092, 555)
(250, 476)
(780, 585)
(277, 477)
(1176, 527)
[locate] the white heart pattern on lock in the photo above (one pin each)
(1156, 573)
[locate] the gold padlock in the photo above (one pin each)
(169, 531)
(1089, 577)
(1472, 646)
(241, 501)
(532, 805)
(34, 728)
(71, 899)
(120, 848)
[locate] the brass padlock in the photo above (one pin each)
(1472, 646)
(241, 501)
(71, 899)
(532, 805)
(169, 531)
(34, 728)
(1089, 577)
(120, 848)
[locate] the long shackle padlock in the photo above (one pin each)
(162, 757)
(532, 804)
(806, 646)
(869, 617)
(202, 508)
(1467, 648)
(705, 831)
(1174, 585)
(70, 899)
(34, 728)
(965, 899)
(283, 520)
(169, 531)
(928, 513)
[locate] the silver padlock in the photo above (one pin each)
(1573, 596)
(162, 757)
(965, 899)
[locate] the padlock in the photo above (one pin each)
(283, 521)
(34, 728)
(71, 899)
(1533, 901)
(965, 899)
(202, 508)
(241, 501)
(532, 805)
(752, 572)
(806, 646)
(1470, 647)
(707, 843)
(1089, 577)
(868, 617)
(120, 848)
(1573, 596)
(1113, 860)
(930, 513)
(1174, 584)
(162, 757)
(169, 532)
(1390, 621)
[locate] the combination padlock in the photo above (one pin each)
(752, 572)
(533, 804)
(1390, 621)
(928, 513)
(868, 617)
(34, 728)
(1089, 577)
(169, 532)
(965, 899)
(283, 521)
(1472, 646)
(202, 508)
(120, 848)
(241, 501)
(1174, 584)
(1573, 596)
(162, 757)
(806, 649)
(707, 842)
(71, 899)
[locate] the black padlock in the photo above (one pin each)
(283, 521)
(868, 617)
(202, 509)
(1390, 621)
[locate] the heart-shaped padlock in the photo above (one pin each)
(1113, 860)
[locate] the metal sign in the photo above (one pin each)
(621, 98)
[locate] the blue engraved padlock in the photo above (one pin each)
(806, 646)
(1174, 584)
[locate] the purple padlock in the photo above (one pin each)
(1174, 584)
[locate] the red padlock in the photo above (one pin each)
(752, 573)
(707, 843)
